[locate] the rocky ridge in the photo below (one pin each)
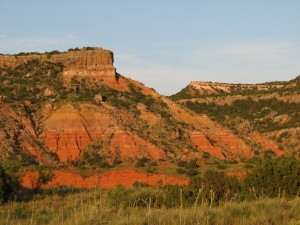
(260, 114)
(215, 87)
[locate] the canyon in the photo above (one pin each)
(98, 118)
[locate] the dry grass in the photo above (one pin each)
(94, 207)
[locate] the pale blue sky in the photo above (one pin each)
(165, 44)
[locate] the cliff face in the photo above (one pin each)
(96, 63)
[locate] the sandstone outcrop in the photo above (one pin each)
(69, 130)
(96, 63)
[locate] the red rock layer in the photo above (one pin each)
(110, 179)
(223, 145)
(202, 142)
(69, 131)
(233, 146)
(67, 145)
(128, 145)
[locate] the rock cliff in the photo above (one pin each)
(96, 63)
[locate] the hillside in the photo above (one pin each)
(271, 108)
(72, 112)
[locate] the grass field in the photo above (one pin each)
(96, 207)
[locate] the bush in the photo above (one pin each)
(206, 155)
(104, 165)
(182, 163)
(44, 176)
(180, 171)
(248, 166)
(118, 196)
(192, 172)
(222, 186)
(192, 164)
(273, 177)
(221, 167)
(5, 185)
(141, 162)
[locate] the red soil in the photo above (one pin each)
(111, 179)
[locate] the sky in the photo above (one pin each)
(165, 44)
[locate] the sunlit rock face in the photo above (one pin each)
(96, 63)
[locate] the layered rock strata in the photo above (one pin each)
(96, 63)
(68, 131)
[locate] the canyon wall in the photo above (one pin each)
(96, 63)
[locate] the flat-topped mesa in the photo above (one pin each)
(95, 63)
(215, 87)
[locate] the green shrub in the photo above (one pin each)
(141, 162)
(248, 166)
(5, 185)
(181, 163)
(206, 155)
(192, 172)
(104, 165)
(273, 177)
(221, 167)
(218, 186)
(192, 164)
(118, 196)
(180, 171)
(45, 175)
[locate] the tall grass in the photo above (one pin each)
(95, 207)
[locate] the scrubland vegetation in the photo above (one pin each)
(99, 207)
(269, 194)
(257, 111)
